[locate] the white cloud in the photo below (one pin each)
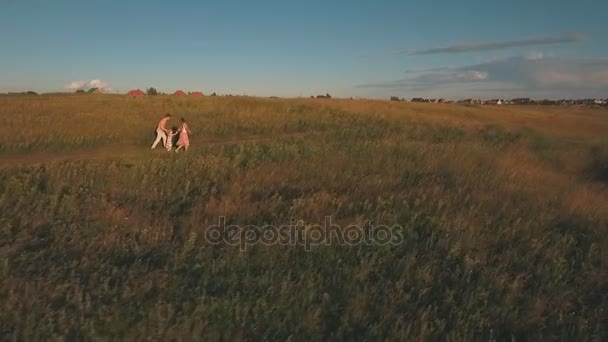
(497, 45)
(528, 75)
(85, 85)
(97, 84)
(534, 56)
(430, 79)
(473, 75)
(75, 85)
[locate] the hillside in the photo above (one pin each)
(497, 218)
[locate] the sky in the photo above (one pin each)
(355, 48)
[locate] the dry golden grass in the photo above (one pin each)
(503, 214)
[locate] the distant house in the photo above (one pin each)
(179, 92)
(197, 93)
(548, 102)
(494, 102)
(136, 92)
(421, 99)
(326, 96)
(524, 100)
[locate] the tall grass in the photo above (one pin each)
(499, 241)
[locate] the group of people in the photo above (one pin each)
(167, 135)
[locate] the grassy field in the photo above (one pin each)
(502, 213)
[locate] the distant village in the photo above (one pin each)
(517, 101)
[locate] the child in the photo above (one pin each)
(170, 134)
(184, 139)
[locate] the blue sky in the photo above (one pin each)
(373, 49)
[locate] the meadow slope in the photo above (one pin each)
(503, 215)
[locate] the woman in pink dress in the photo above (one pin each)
(184, 132)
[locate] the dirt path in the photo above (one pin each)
(124, 151)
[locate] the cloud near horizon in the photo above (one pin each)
(531, 74)
(85, 85)
(499, 45)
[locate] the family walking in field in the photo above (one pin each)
(167, 135)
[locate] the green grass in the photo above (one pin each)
(498, 242)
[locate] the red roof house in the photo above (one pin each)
(136, 93)
(196, 93)
(179, 92)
